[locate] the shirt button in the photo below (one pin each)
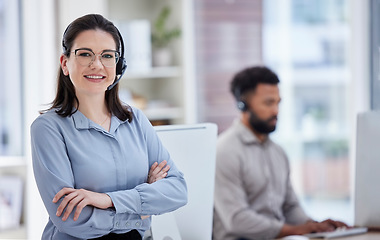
(137, 224)
(117, 224)
(127, 224)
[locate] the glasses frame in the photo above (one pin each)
(97, 55)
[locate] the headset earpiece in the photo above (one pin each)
(121, 66)
(242, 106)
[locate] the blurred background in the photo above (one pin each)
(181, 56)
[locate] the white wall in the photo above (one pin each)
(39, 70)
(69, 10)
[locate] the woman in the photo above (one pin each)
(92, 154)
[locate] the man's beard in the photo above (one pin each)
(259, 125)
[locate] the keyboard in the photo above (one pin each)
(339, 232)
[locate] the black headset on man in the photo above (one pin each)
(241, 104)
(121, 65)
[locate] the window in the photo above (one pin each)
(307, 44)
(10, 80)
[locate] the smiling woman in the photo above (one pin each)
(88, 132)
(90, 74)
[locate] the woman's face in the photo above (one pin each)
(93, 78)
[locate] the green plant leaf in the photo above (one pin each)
(161, 36)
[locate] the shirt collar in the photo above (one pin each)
(82, 122)
(246, 135)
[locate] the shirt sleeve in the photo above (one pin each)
(293, 212)
(160, 197)
(231, 203)
(52, 171)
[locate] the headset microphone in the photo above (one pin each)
(124, 64)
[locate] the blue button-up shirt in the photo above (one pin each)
(78, 153)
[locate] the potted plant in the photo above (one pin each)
(161, 38)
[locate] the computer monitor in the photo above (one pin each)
(193, 149)
(367, 173)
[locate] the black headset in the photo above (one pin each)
(121, 65)
(241, 104)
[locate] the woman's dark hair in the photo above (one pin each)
(247, 80)
(65, 100)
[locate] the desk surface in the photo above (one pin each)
(366, 236)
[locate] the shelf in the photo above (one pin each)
(17, 233)
(155, 72)
(12, 162)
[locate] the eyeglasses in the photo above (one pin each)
(86, 57)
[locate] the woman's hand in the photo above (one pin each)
(79, 198)
(158, 171)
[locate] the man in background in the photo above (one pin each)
(254, 198)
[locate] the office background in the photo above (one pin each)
(325, 53)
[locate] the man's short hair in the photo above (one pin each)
(248, 79)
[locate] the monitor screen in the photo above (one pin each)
(367, 171)
(193, 149)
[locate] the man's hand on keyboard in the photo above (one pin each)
(335, 224)
(311, 227)
(328, 225)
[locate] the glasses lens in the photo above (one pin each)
(84, 57)
(109, 58)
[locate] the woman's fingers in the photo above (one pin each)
(69, 202)
(153, 166)
(64, 191)
(79, 209)
(158, 171)
(163, 173)
(70, 194)
(79, 198)
(70, 207)
(160, 166)
(72, 199)
(166, 169)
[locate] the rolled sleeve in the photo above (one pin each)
(163, 196)
(120, 198)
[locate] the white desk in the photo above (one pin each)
(366, 236)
